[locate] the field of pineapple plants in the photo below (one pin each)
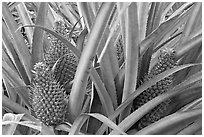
(94, 68)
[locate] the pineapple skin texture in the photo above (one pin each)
(166, 61)
(65, 70)
(47, 97)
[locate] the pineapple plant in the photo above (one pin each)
(99, 68)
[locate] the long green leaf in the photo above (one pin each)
(107, 58)
(65, 9)
(192, 105)
(177, 25)
(20, 46)
(190, 23)
(7, 103)
(81, 39)
(179, 102)
(120, 6)
(191, 129)
(107, 122)
(25, 19)
(179, 9)
(143, 9)
(8, 44)
(153, 20)
(38, 35)
(83, 117)
(8, 58)
(67, 128)
(167, 8)
(83, 69)
(192, 49)
(78, 123)
(187, 46)
(83, 6)
(163, 32)
(112, 31)
(172, 123)
(103, 94)
(24, 123)
(8, 87)
(107, 67)
(61, 38)
(9, 128)
(132, 55)
(19, 86)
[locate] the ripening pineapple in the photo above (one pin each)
(165, 62)
(59, 54)
(47, 96)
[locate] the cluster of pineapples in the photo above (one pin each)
(166, 60)
(52, 78)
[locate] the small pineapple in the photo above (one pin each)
(47, 96)
(166, 61)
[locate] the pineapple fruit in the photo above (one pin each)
(47, 96)
(65, 69)
(166, 61)
(65, 61)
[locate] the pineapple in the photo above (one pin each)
(65, 61)
(166, 61)
(47, 96)
(49, 87)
